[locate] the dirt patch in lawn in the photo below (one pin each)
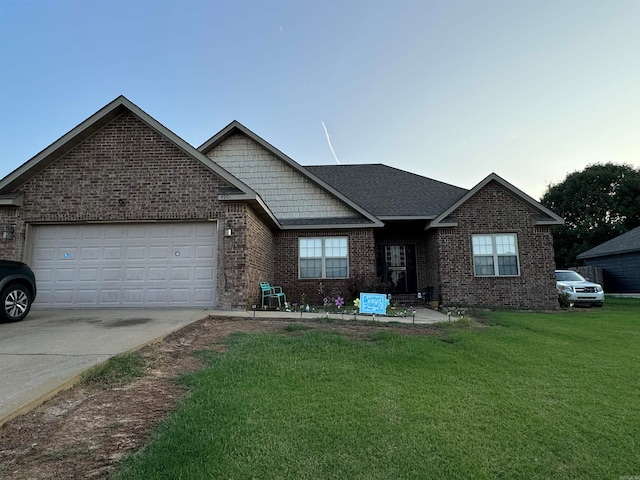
(83, 432)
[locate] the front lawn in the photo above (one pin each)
(529, 395)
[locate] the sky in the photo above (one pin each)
(449, 89)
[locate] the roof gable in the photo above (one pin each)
(297, 197)
(94, 123)
(546, 216)
(237, 190)
(625, 243)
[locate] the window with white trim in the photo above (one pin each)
(495, 255)
(324, 257)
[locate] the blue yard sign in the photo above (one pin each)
(375, 303)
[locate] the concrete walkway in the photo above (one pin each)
(422, 316)
(46, 352)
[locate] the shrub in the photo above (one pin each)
(563, 300)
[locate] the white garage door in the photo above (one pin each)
(125, 265)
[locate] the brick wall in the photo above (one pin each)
(261, 258)
(129, 172)
(495, 210)
(362, 263)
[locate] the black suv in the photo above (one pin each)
(17, 290)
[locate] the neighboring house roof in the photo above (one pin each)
(625, 243)
(545, 217)
(390, 193)
(296, 195)
(238, 191)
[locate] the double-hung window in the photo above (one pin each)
(495, 255)
(324, 257)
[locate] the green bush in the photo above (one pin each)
(563, 300)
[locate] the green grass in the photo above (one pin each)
(531, 396)
(118, 370)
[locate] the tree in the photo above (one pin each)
(597, 204)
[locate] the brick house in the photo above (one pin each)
(120, 211)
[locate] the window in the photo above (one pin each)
(495, 255)
(324, 257)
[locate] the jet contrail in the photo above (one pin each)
(329, 142)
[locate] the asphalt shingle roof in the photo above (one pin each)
(389, 192)
(627, 242)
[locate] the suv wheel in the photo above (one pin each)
(15, 302)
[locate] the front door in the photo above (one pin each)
(396, 267)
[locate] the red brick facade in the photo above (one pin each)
(495, 210)
(362, 264)
(129, 172)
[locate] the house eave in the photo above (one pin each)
(547, 222)
(586, 255)
(12, 200)
(254, 200)
(329, 226)
(447, 224)
(402, 218)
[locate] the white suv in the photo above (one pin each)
(580, 290)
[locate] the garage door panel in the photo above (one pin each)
(109, 297)
(160, 231)
(115, 232)
(63, 298)
(133, 297)
(45, 254)
(88, 254)
(180, 296)
(181, 252)
(158, 274)
(135, 253)
(179, 274)
(133, 274)
(66, 275)
(170, 264)
(88, 274)
(87, 297)
(69, 234)
(112, 253)
(203, 294)
(111, 274)
(157, 295)
(203, 252)
(203, 274)
(158, 253)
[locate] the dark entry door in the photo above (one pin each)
(396, 267)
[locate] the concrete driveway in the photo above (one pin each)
(45, 352)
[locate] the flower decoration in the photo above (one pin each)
(356, 303)
(339, 302)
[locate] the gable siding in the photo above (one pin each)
(494, 210)
(124, 172)
(289, 194)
